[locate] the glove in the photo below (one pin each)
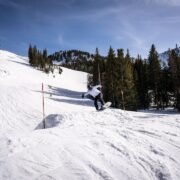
(82, 95)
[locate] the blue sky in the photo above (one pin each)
(87, 24)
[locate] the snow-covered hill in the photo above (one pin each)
(71, 56)
(79, 143)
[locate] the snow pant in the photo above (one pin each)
(100, 99)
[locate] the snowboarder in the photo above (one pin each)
(94, 93)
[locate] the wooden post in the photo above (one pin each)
(44, 120)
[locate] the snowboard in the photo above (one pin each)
(105, 106)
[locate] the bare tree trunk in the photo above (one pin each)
(122, 94)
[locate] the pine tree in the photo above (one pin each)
(109, 86)
(164, 88)
(154, 75)
(130, 95)
(120, 79)
(38, 63)
(140, 76)
(41, 61)
(30, 55)
(174, 67)
(35, 56)
(45, 55)
(96, 69)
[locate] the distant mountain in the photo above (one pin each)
(164, 56)
(71, 56)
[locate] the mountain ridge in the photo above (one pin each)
(68, 56)
(163, 57)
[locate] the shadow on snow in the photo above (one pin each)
(73, 97)
(52, 120)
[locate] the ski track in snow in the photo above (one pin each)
(78, 142)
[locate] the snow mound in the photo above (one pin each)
(52, 120)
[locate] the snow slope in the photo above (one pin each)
(78, 143)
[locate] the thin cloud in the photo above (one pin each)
(66, 4)
(164, 2)
(135, 38)
(96, 15)
(173, 19)
(119, 38)
(137, 42)
(60, 39)
(10, 3)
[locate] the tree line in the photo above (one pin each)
(129, 83)
(40, 60)
(136, 83)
